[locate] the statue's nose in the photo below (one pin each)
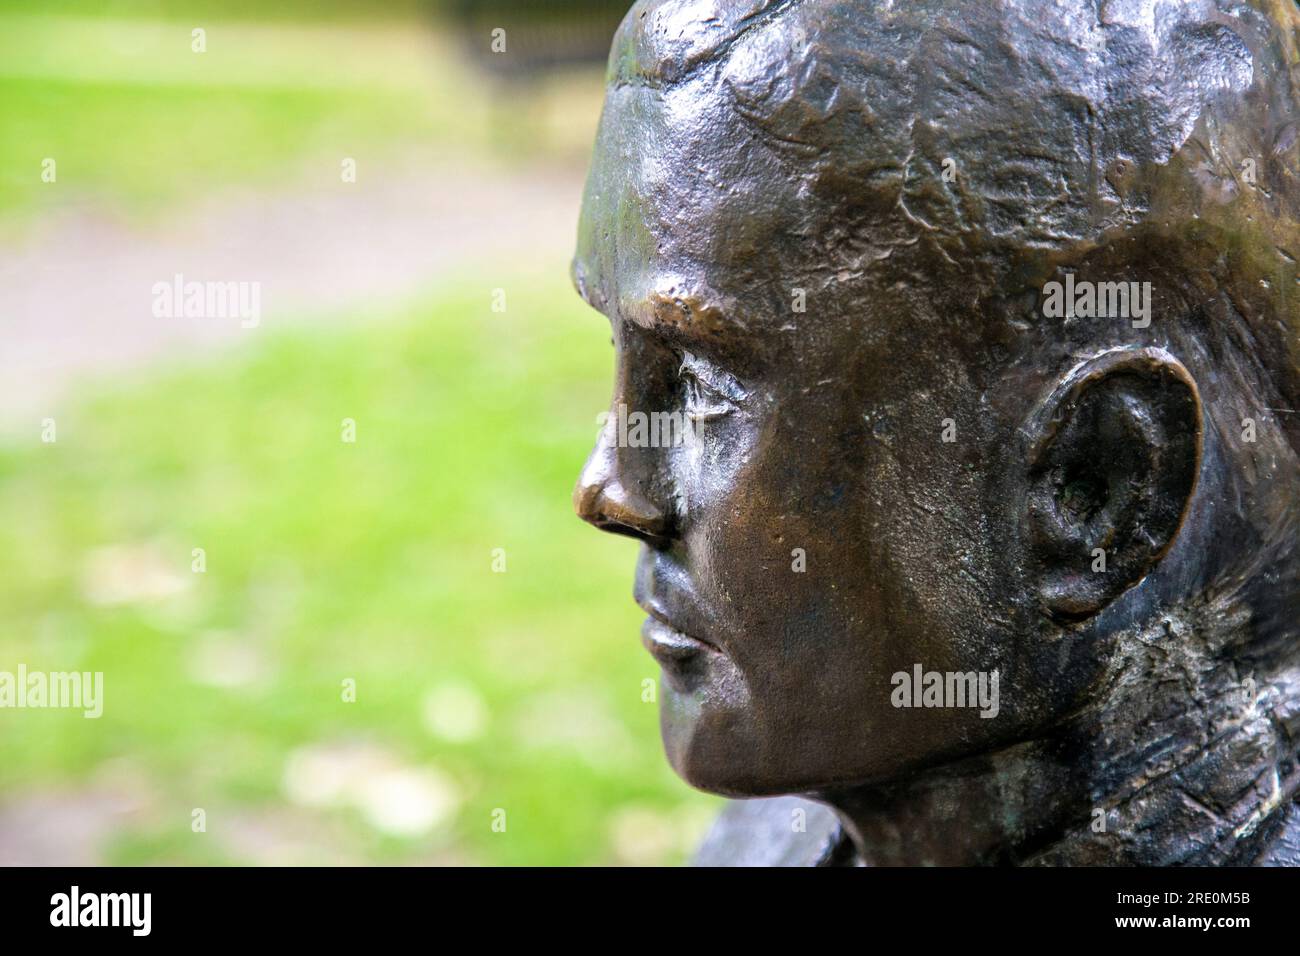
(603, 500)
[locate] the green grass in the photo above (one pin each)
(106, 150)
(292, 10)
(139, 125)
(328, 560)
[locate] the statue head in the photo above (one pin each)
(982, 316)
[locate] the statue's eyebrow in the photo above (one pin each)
(680, 313)
(688, 321)
(694, 320)
(682, 337)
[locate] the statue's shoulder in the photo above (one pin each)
(1284, 849)
(775, 831)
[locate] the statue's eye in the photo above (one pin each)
(709, 391)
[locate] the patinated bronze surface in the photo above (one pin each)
(984, 318)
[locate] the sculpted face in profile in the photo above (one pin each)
(984, 317)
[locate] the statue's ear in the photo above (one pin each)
(1113, 457)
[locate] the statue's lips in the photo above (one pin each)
(669, 645)
(663, 591)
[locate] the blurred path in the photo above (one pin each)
(76, 293)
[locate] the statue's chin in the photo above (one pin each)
(712, 731)
(716, 743)
(712, 742)
(706, 739)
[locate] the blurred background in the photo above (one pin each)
(404, 195)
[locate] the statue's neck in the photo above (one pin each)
(985, 810)
(1160, 776)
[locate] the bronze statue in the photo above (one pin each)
(979, 526)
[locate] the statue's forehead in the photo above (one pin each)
(661, 41)
(681, 196)
(679, 159)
